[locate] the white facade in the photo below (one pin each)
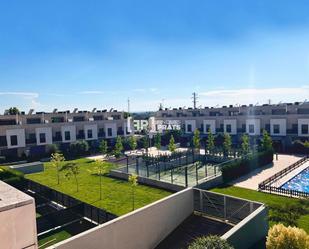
(113, 128)
(188, 124)
(91, 132)
(19, 135)
(253, 127)
(232, 123)
(211, 124)
(278, 127)
(303, 126)
(71, 129)
(48, 135)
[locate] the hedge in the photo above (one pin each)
(11, 176)
(240, 167)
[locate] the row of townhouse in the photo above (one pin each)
(23, 131)
(284, 122)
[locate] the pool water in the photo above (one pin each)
(299, 182)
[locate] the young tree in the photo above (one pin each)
(245, 146)
(283, 237)
(132, 142)
(266, 142)
(145, 143)
(227, 144)
(118, 147)
(56, 160)
(196, 139)
(103, 147)
(133, 181)
(71, 169)
(100, 168)
(158, 141)
(172, 145)
(211, 242)
(210, 142)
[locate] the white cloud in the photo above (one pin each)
(22, 94)
(254, 95)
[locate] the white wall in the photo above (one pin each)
(48, 135)
(21, 140)
(257, 126)
(233, 124)
(281, 123)
(113, 126)
(143, 229)
(192, 123)
(212, 124)
(72, 130)
(94, 129)
(304, 121)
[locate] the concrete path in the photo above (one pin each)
(252, 180)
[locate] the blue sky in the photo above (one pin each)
(87, 54)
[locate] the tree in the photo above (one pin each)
(56, 161)
(133, 181)
(158, 141)
(227, 144)
(210, 142)
(71, 169)
(280, 236)
(14, 111)
(100, 168)
(79, 148)
(245, 146)
(145, 142)
(132, 142)
(266, 142)
(211, 242)
(118, 147)
(172, 145)
(196, 139)
(103, 147)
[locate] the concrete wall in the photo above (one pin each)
(21, 141)
(17, 219)
(144, 228)
(303, 121)
(211, 182)
(250, 230)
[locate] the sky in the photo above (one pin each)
(72, 53)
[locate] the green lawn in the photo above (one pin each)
(117, 197)
(268, 199)
(53, 238)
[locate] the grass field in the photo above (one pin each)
(116, 197)
(53, 238)
(268, 199)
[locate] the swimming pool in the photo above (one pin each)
(299, 182)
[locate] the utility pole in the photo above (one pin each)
(194, 97)
(128, 105)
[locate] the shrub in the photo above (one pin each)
(300, 147)
(211, 242)
(79, 148)
(243, 166)
(51, 148)
(281, 237)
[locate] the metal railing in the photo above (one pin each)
(266, 184)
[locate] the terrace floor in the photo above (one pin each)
(252, 180)
(194, 226)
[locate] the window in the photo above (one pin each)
(78, 119)
(97, 117)
(67, 135)
(3, 141)
(189, 128)
(57, 119)
(276, 129)
(304, 129)
(228, 128)
(33, 120)
(58, 135)
(89, 133)
(251, 128)
(42, 138)
(109, 132)
(207, 127)
(14, 140)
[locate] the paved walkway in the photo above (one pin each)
(252, 180)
